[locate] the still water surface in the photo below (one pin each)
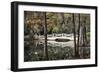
(34, 51)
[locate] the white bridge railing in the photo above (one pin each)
(55, 36)
(60, 35)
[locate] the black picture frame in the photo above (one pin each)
(14, 35)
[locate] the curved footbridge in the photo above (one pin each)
(53, 37)
(51, 40)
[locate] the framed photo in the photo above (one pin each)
(52, 36)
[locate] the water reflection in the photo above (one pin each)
(34, 51)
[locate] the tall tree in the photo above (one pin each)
(74, 32)
(63, 21)
(44, 23)
(78, 39)
(84, 33)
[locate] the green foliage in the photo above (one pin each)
(55, 30)
(56, 22)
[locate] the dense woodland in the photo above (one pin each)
(56, 22)
(44, 23)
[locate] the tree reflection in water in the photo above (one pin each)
(34, 52)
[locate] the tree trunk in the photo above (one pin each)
(63, 21)
(74, 32)
(84, 33)
(85, 38)
(78, 39)
(44, 23)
